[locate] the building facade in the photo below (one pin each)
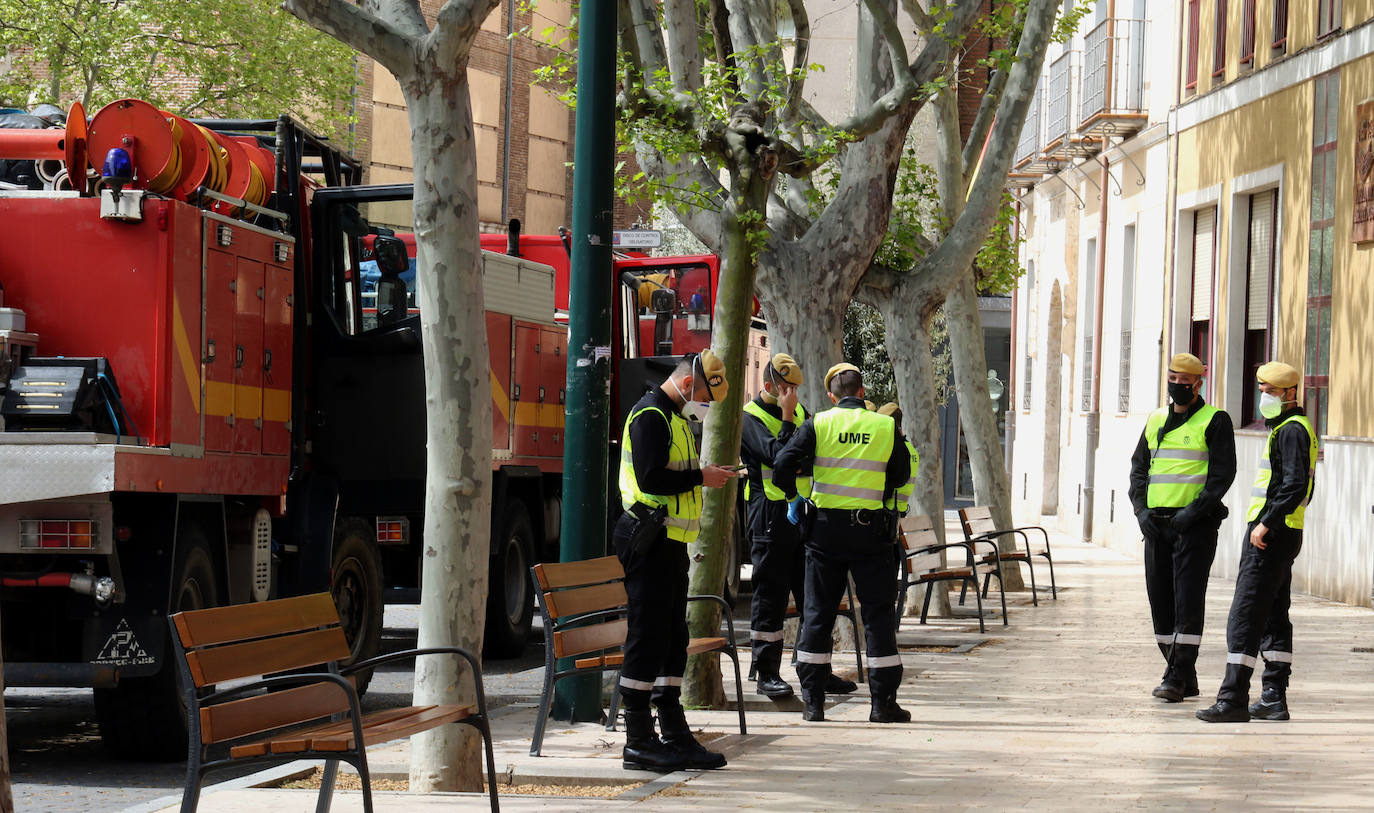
(1238, 225)
(524, 133)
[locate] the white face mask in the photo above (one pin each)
(691, 410)
(1270, 405)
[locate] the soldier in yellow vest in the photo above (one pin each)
(1259, 624)
(1182, 466)
(857, 465)
(775, 544)
(660, 489)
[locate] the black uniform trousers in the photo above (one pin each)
(1259, 623)
(779, 559)
(845, 542)
(1176, 567)
(656, 639)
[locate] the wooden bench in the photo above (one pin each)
(583, 605)
(925, 562)
(979, 525)
(844, 610)
(311, 713)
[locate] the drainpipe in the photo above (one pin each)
(1095, 410)
(505, 126)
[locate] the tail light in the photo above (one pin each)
(57, 534)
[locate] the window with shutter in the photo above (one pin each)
(1258, 295)
(1219, 41)
(1194, 22)
(1280, 38)
(1247, 33)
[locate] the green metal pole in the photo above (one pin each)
(587, 428)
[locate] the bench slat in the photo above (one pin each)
(267, 655)
(606, 635)
(696, 646)
(553, 575)
(793, 612)
(220, 625)
(943, 575)
(378, 727)
(254, 715)
(916, 523)
(923, 562)
(580, 600)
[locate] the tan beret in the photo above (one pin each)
(842, 367)
(889, 409)
(1187, 363)
(1278, 374)
(786, 369)
(713, 373)
(870, 406)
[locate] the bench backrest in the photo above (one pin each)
(585, 602)
(977, 520)
(918, 533)
(246, 640)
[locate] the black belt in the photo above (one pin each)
(856, 516)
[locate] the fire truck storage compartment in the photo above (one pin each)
(528, 356)
(131, 292)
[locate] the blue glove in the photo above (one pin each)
(794, 509)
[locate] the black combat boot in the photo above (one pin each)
(838, 685)
(644, 751)
(672, 721)
(1272, 705)
(772, 686)
(1224, 711)
(814, 710)
(886, 710)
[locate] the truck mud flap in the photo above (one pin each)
(132, 646)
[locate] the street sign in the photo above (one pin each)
(637, 238)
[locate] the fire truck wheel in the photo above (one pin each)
(143, 717)
(510, 598)
(356, 584)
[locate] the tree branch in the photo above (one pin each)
(941, 268)
(925, 24)
(362, 30)
(684, 53)
(987, 108)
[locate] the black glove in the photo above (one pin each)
(1146, 520)
(1186, 518)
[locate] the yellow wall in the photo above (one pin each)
(1274, 130)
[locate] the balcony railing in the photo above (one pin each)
(1059, 125)
(1113, 75)
(1030, 142)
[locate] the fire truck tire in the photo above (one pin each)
(144, 718)
(356, 584)
(510, 596)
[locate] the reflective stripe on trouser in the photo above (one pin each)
(836, 550)
(779, 570)
(1259, 623)
(1176, 567)
(656, 601)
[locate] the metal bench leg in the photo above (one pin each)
(1035, 599)
(1054, 590)
(190, 797)
(978, 598)
(485, 730)
(542, 719)
(739, 690)
(614, 710)
(331, 771)
(925, 605)
(1002, 591)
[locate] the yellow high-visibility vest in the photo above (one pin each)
(852, 450)
(904, 493)
(684, 509)
(1178, 462)
(774, 426)
(1259, 492)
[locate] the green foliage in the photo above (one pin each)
(193, 57)
(996, 268)
(864, 346)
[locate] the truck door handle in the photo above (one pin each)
(238, 356)
(267, 362)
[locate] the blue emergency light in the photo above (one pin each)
(117, 164)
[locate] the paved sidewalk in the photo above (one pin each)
(1051, 713)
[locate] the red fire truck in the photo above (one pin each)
(203, 404)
